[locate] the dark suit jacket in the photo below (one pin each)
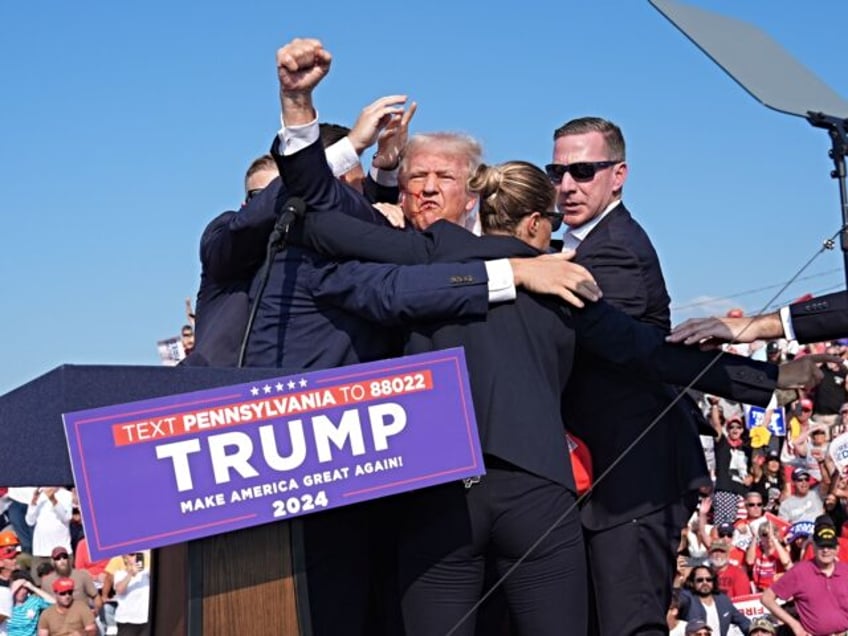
(232, 250)
(609, 407)
(821, 318)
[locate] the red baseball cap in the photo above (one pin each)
(63, 584)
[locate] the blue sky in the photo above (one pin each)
(126, 127)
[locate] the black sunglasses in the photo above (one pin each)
(704, 579)
(580, 171)
(555, 218)
(60, 557)
(253, 193)
(754, 504)
(65, 593)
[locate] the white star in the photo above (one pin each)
(291, 384)
(266, 389)
(279, 386)
(303, 382)
(254, 390)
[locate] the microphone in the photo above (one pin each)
(294, 208)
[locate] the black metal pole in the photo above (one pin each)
(837, 130)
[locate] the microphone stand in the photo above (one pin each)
(292, 210)
(837, 130)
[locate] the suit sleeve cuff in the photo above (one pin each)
(295, 138)
(786, 321)
(501, 281)
(342, 157)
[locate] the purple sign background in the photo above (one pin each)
(131, 499)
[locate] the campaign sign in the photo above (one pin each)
(777, 425)
(750, 605)
(176, 468)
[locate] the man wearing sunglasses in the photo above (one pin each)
(84, 589)
(68, 615)
(635, 519)
(701, 601)
(805, 503)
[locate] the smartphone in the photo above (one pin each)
(139, 560)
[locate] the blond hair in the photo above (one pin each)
(456, 144)
(510, 191)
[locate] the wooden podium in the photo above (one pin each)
(244, 582)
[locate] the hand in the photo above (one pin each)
(705, 506)
(375, 119)
(710, 332)
(802, 373)
(393, 213)
(392, 140)
(555, 275)
(301, 65)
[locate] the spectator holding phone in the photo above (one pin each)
(767, 558)
(132, 591)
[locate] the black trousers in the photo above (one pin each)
(632, 568)
(350, 570)
(448, 531)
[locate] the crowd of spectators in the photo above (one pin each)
(780, 499)
(48, 582)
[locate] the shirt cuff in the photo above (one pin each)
(786, 321)
(388, 178)
(501, 281)
(295, 138)
(342, 157)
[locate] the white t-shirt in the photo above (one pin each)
(679, 629)
(134, 603)
(712, 617)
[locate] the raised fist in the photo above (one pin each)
(302, 64)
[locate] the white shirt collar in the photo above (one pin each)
(582, 231)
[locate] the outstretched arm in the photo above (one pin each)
(710, 332)
(401, 294)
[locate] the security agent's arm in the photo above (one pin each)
(306, 174)
(233, 244)
(397, 295)
(626, 342)
(817, 319)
